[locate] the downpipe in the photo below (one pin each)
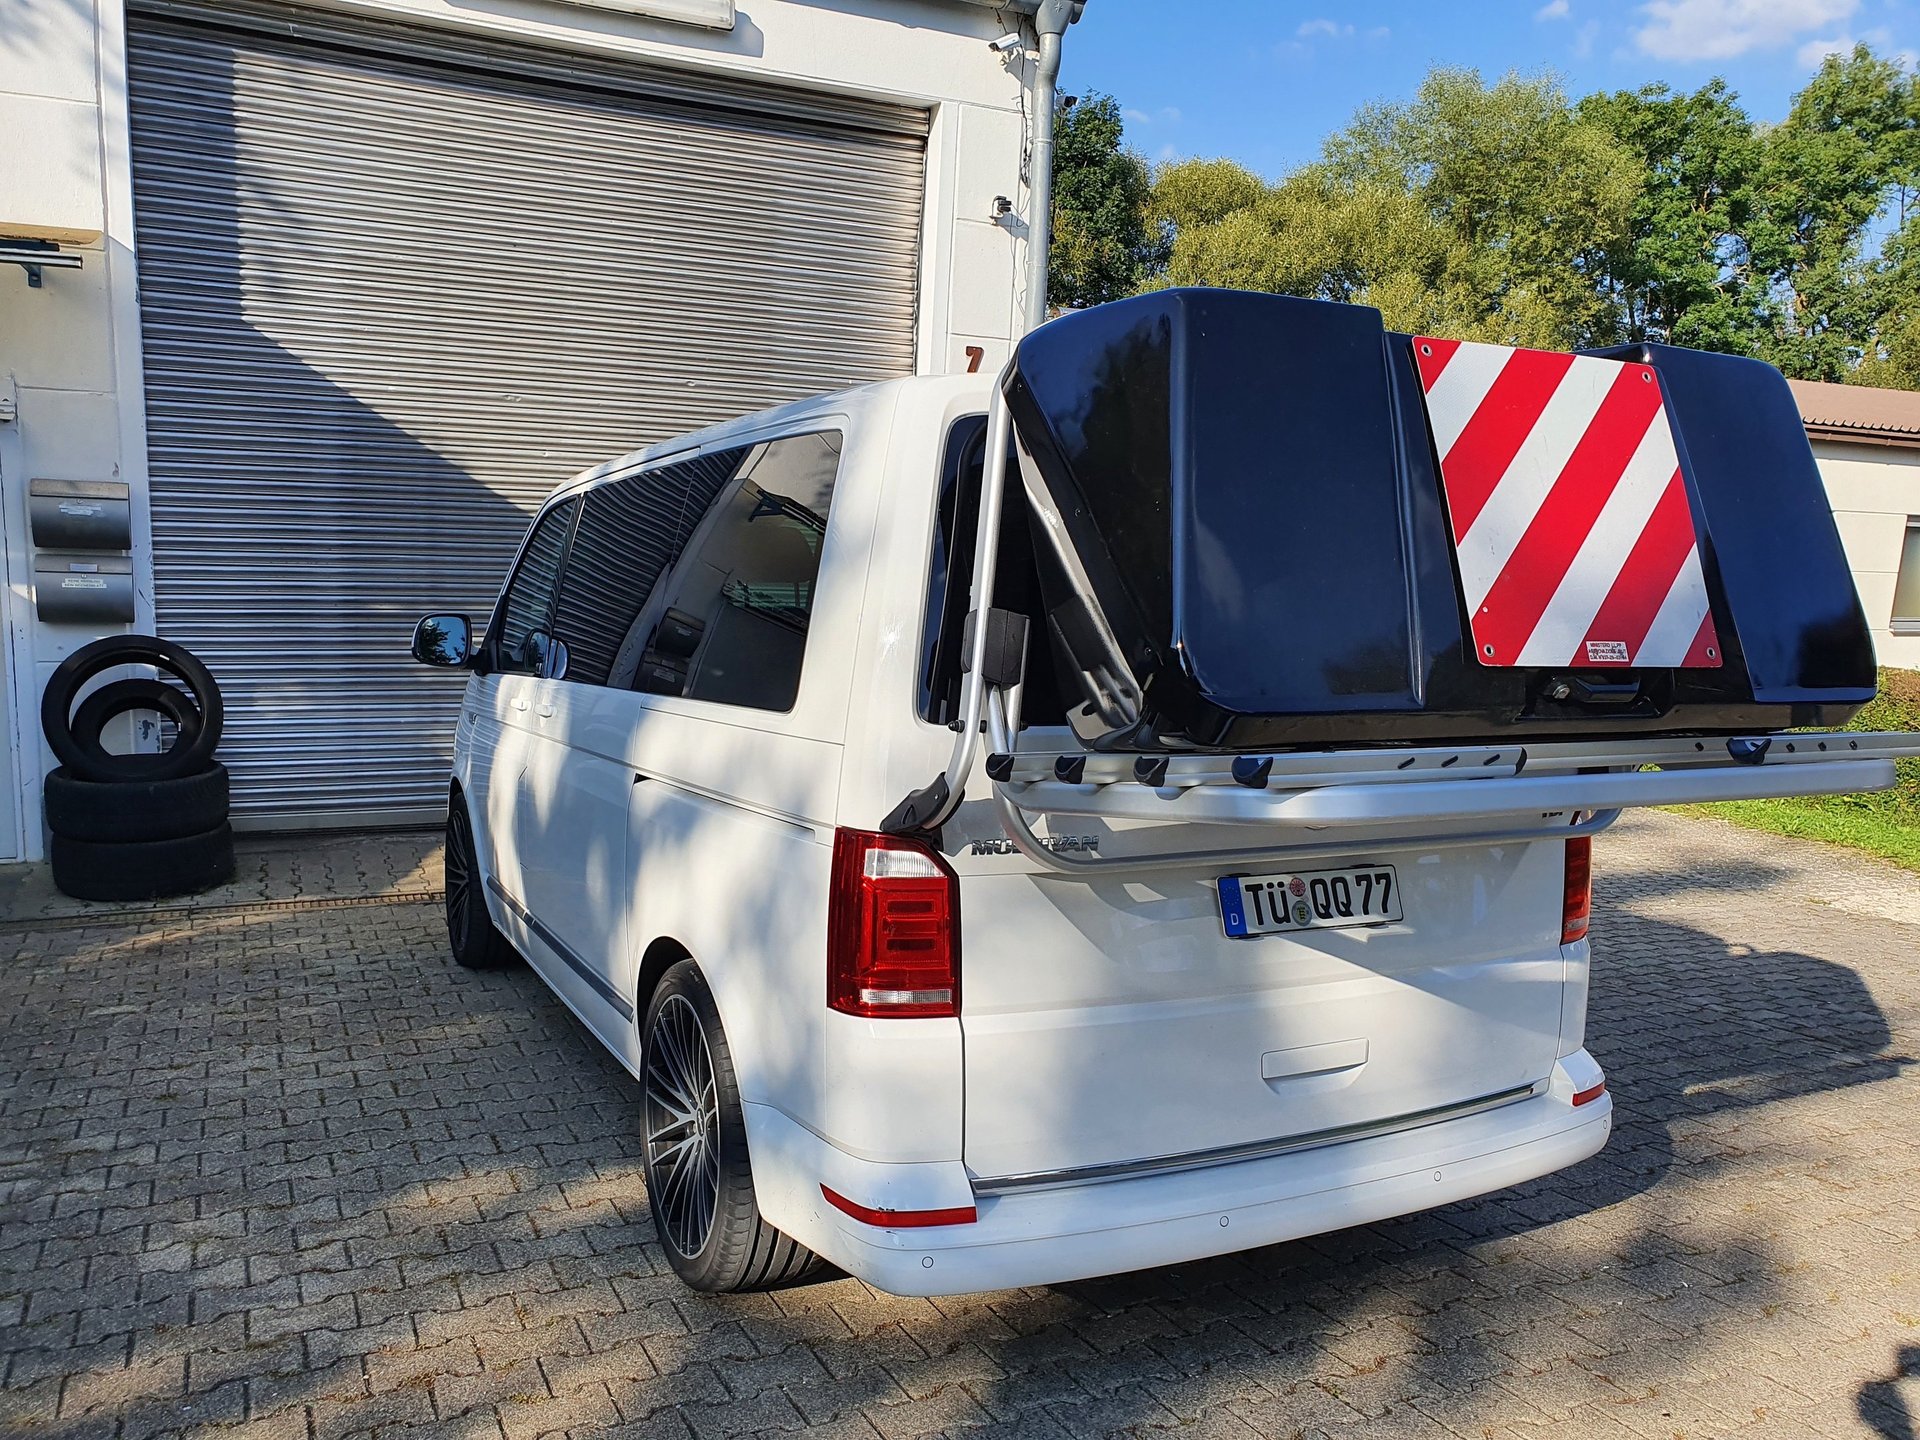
(1050, 22)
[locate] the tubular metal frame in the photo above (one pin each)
(1387, 797)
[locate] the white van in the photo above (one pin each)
(1067, 1010)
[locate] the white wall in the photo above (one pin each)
(1873, 489)
(70, 350)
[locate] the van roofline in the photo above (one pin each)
(837, 402)
(834, 402)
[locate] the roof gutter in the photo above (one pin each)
(1050, 21)
(1858, 435)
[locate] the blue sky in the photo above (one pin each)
(1263, 81)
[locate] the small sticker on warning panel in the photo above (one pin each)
(1606, 652)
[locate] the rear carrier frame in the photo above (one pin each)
(1311, 795)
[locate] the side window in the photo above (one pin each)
(955, 526)
(950, 585)
(523, 627)
(630, 532)
(730, 621)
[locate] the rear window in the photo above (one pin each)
(950, 584)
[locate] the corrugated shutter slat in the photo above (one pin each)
(396, 283)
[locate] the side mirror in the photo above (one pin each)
(444, 640)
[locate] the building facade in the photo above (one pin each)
(358, 281)
(1867, 443)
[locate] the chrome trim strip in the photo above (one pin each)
(552, 941)
(1256, 1150)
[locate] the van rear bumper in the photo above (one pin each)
(1048, 1236)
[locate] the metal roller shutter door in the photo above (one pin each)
(396, 284)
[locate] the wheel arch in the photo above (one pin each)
(663, 952)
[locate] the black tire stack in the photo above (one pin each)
(136, 827)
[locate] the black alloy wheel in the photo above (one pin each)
(477, 945)
(699, 1175)
(683, 1127)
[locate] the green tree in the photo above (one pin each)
(1101, 244)
(1502, 212)
(1845, 150)
(1475, 210)
(1682, 272)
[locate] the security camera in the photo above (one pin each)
(1007, 44)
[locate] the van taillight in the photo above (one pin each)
(1576, 905)
(893, 929)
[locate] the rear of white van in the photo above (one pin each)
(1158, 1063)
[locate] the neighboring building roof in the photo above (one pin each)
(1858, 413)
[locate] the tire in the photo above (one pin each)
(699, 1175)
(142, 869)
(109, 702)
(476, 944)
(133, 810)
(185, 758)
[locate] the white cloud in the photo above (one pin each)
(1813, 52)
(1553, 10)
(1136, 117)
(1722, 29)
(1880, 38)
(1583, 42)
(1332, 29)
(1165, 115)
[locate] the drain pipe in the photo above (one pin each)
(1050, 22)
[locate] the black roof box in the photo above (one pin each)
(1247, 539)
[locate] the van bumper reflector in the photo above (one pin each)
(1587, 1097)
(900, 1219)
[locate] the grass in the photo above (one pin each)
(1886, 823)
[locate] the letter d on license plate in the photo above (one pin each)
(1253, 905)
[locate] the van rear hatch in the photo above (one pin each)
(1265, 522)
(1112, 1025)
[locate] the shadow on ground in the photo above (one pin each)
(255, 1164)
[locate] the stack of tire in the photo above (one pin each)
(144, 826)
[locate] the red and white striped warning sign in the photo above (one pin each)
(1570, 519)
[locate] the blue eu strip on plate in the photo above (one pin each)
(1233, 909)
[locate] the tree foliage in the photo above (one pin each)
(1101, 248)
(1506, 211)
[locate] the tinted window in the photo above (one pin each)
(950, 584)
(630, 532)
(730, 622)
(524, 623)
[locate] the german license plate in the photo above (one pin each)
(1308, 900)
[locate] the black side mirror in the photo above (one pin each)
(444, 640)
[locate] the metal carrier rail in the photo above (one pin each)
(1312, 803)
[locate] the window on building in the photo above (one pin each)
(525, 621)
(730, 621)
(1906, 590)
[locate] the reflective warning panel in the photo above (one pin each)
(1570, 519)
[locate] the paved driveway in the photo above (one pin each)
(288, 1173)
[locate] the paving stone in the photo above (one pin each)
(288, 1173)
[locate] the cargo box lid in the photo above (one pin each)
(1279, 524)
